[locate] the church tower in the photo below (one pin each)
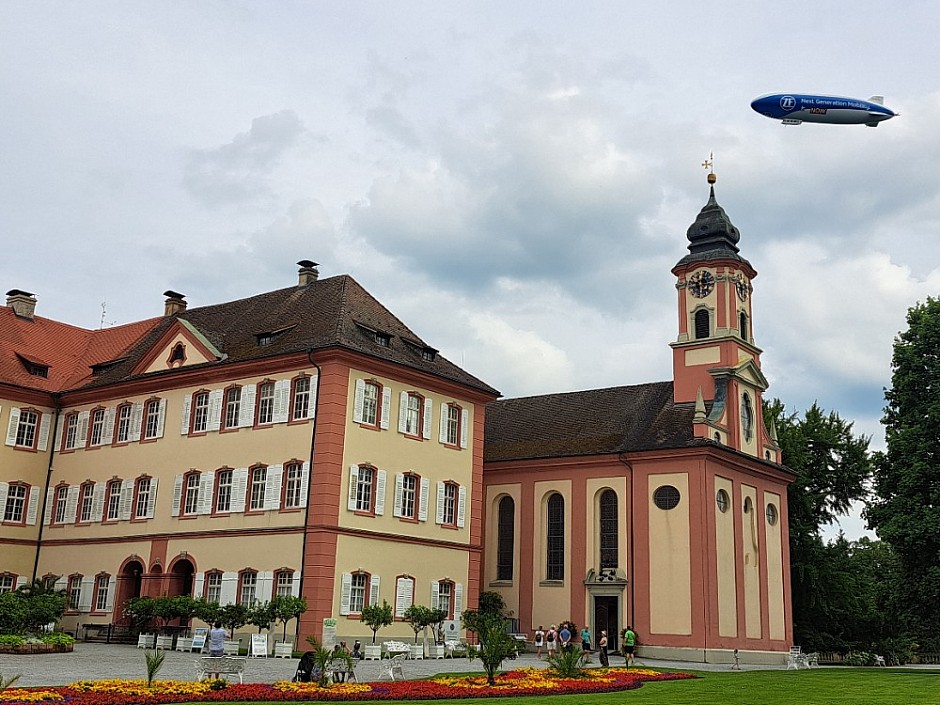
(716, 363)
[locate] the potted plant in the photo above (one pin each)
(376, 617)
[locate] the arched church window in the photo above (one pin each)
(609, 528)
(505, 538)
(742, 325)
(555, 538)
(703, 326)
(747, 416)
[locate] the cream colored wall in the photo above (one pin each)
(193, 355)
(388, 561)
(751, 549)
(725, 560)
(21, 466)
(670, 559)
(749, 446)
(703, 356)
(775, 575)
(509, 591)
(550, 601)
(395, 453)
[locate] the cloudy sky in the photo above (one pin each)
(513, 179)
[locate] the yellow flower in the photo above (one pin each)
(27, 696)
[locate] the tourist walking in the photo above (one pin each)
(550, 640)
(539, 641)
(585, 638)
(629, 645)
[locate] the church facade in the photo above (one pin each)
(306, 442)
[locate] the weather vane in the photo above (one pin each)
(710, 165)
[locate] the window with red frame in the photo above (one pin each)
(283, 583)
(257, 480)
(200, 412)
(70, 435)
(265, 403)
(191, 483)
(102, 585)
(85, 502)
(113, 501)
(445, 598)
(223, 490)
(300, 407)
(96, 426)
(293, 485)
(213, 588)
(7, 582)
(122, 426)
(232, 407)
(74, 591)
(60, 500)
(411, 501)
(144, 492)
(15, 510)
(152, 419)
(26, 428)
(366, 490)
(247, 588)
(358, 592)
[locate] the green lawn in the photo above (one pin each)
(825, 686)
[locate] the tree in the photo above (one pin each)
(233, 616)
(260, 615)
(832, 467)
(421, 617)
(906, 509)
(490, 624)
(377, 616)
(287, 607)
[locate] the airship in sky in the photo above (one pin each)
(795, 108)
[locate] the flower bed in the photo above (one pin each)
(524, 681)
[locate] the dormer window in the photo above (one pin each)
(265, 339)
(428, 355)
(382, 339)
(34, 367)
(268, 337)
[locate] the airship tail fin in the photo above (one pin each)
(880, 99)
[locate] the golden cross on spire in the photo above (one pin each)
(710, 165)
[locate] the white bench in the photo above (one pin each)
(223, 665)
(393, 666)
(146, 641)
(394, 648)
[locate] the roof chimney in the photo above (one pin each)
(308, 272)
(174, 302)
(22, 302)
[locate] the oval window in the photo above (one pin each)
(771, 514)
(666, 497)
(721, 499)
(748, 505)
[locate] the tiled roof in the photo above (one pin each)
(68, 351)
(332, 312)
(593, 422)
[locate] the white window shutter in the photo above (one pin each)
(152, 500)
(4, 488)
(97, 501)
(107, 434)
(439, 519)
(345, 593)
(61, 584)
(386, 406)
(295, 584)
(464, 426)
(281, 401)
(246, 412)
(461, 506)
(304, 483)
(32, 507)
(458, 600)
(359, 400)
(199, 583)
(425, 498)
(265, 586)
(239, 489)
(214, 422)
(206, 491)
(82, 428)
(399, 490)
(44, 424)
(353, 485)
(312, 405)
(71, 504)
(374, 585)
(109, 600)
(272, 487)
(13, 425)
(443, 423)
(161, 418)
(380, 493)
(403, 412)
(20, 581)
(404, 590)
(435, 590)
(177, 495)
(50, 500)
(127, 498)
(428, 418)
(84, 594)
(137, 418)
(228, 591)
(59, 428)
(184, 416)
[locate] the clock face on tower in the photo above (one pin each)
(701, 284)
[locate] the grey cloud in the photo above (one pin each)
(236, 172)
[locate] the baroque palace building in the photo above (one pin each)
(306, 442)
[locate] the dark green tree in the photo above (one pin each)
(832, 467)
(377, 616)
(490, 624)
(906, 509)
(287, 607)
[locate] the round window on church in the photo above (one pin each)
(721, 499)
(748, 506)
(771, 514)
(666, 497)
